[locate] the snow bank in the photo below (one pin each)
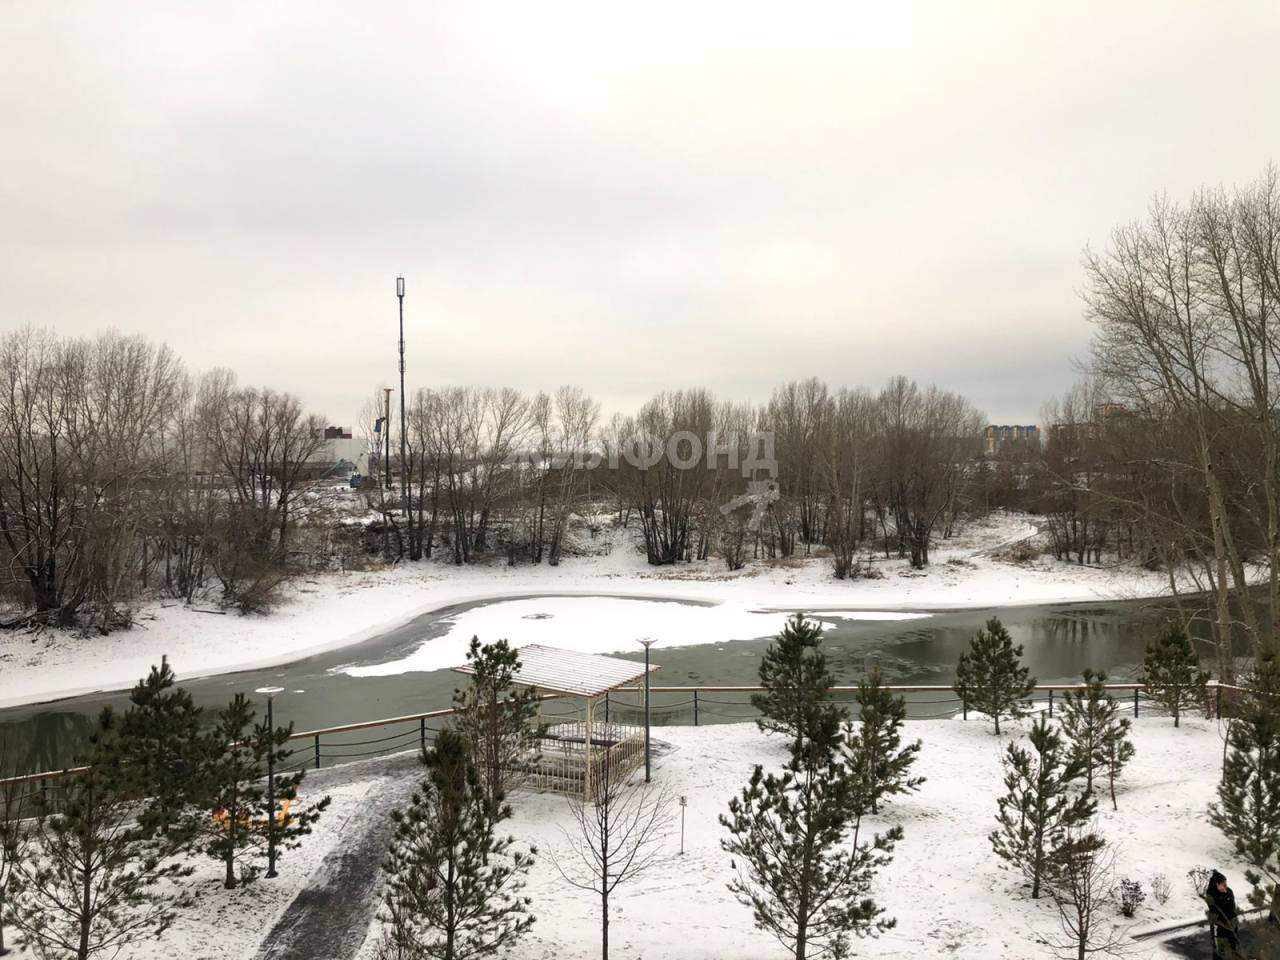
(336, 610)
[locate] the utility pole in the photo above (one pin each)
(386, 423)
(404, 473)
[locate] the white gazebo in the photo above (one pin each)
(575, 747)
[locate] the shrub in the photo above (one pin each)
(1199, 877)
(1131, 896)
(1161, 888)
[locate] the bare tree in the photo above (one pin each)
(667, 449)
(846, 464)
(1186, 303)
(618, 833)
(928, 437)
(259, 440)
(1084, 878)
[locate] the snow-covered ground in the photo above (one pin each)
(953, 899)
(226, 924)
(334, 610)
(950, 894)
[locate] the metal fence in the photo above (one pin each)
(669, 706)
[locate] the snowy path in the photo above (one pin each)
(331, 915)
(1195, 945)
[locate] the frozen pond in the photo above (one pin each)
(406, 670)
(599, 625)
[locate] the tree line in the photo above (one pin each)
(123, 475)
(812, 469)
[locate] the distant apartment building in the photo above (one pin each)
(339, 454)
(999, 437)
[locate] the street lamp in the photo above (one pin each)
(404, 495)
(647, 644)
(270, 693)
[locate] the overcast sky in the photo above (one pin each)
(630, 197)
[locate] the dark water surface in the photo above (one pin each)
(1059, 641)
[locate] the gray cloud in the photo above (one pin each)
(630, 199)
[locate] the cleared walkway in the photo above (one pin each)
(328, 920)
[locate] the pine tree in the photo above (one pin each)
(800, 865)
(162, 744)
(873, 745)
(1039, 810)
(991, 678)
(498, 719)
(454, 885)
(14, 835)
(234, 775)
(1171, 672)
(1097, 734)
(1115, 750)
(1248, 807)
(95, 884)
(796, 680)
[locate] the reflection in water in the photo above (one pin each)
(1058, 643)
(46, 741)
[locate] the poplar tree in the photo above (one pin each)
(235, 774)
(1098, 736)
(1039, 811)
(498, 719)
(796, 680)
(1171, 672)
(799, 862)
(873, 744)
(1248, 805)
(453, 889)
(990, 676)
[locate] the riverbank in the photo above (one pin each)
(332, 611)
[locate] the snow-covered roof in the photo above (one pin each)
(571, 672)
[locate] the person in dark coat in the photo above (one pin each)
(1223, 917)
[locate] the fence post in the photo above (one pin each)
(1051, 704)
(695, 707)
(606, 706)
(317, 751)
(422, 732)
(1135, 703)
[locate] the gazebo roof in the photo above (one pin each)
(571, 672)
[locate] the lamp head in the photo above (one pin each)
(399, 286)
